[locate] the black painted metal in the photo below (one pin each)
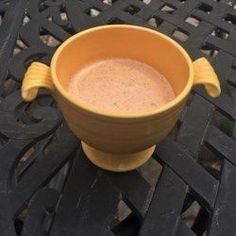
(48, 187)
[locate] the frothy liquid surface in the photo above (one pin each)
(121, 85)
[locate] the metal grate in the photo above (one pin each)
(47, 186)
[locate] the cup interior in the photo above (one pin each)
(137, 43)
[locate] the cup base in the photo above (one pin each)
(117, 162)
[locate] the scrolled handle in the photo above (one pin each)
(37, 76)
(204, 74)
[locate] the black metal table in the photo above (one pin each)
(48, 187)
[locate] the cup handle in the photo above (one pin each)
(205, 74)
(37, 75)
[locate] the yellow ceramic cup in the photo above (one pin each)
(111, 140)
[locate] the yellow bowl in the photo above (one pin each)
(112, 140)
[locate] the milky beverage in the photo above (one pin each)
(121, 85)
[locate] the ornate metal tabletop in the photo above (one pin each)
(48, 187)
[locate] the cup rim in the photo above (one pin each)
(113, 114)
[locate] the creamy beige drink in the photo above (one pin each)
(121, 85)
